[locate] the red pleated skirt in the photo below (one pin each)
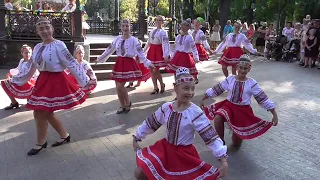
(155, 55)
(241, 119)
(53, 91)
(166, 161)
(125, 70)
(15, 91)
(182, 59)
(230, 56)
(145, 72)
(87, 89)
(203, 55)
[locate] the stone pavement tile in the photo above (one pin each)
(113, 172)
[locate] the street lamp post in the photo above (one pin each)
(154, 5)
(116, 17)
(142, 20)
(77, 37)
(3, 34)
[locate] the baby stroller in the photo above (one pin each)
(274, 49)
(292, 52)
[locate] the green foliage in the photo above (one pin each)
(129, 9)
(163, 8)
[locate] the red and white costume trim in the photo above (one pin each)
(126, 68)
(52, 90)
(184, 46)
(234, 42)
(87, 69)
(145, 71)
(201, 44)
(236, 109)
(20, 89)
(158, 47)
(174, 157)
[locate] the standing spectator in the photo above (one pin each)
(251, 31)
(288, 31)
(311, 49)
(304, 37)
(215, 36)
(244, 29)
(70, 7)
(227, 29)
(46, 7)
(260, 42)
(8, 5)
(269, 37)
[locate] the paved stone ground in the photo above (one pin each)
(101, 140)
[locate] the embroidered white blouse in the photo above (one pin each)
(200, 38)
(186, 44)
(235, 40)
(125, 48)
(69, 8)
(159, 36)
(181, 127)
(52, 57)
(240, 92)
(22, 69)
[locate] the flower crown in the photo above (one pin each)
(244, 60)
(182, 71)
(41, 22)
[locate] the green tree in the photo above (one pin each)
(163, 8)
(129, 9)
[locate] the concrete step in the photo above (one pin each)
(103, 74)
(99, 45)
(112, 58)
(98, 51)
(102, 66)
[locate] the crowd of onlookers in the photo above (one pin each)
(306, 33)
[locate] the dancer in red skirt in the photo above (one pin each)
(158, 49)
(184, 46)
(85, 66)
(234, 43)
(175, 157)
(52, 90)
(201, 41)
(236, 109)
(126, 68)
(19, 89)
(145, 74)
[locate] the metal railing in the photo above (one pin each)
(21, 24)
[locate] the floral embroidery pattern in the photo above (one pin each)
(153, 123)
(218, 89)
(208, 134)
(261, 97)
(237, 92)
(173, 126)
(67, 54)
(38, 57)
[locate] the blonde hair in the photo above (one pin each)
(80, 48)
(125, 21)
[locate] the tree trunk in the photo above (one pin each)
(224, 13)
(191, 11)
(250, 12)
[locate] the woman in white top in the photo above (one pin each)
(70, 7)
(158, 52)
(184, 46)
(288, 31)
(232, 49)
(215, 36)
(236, 109)
(175, 157)
(52, 90)
(126, 68)
(20, 90)
(200, 39)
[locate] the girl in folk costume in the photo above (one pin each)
(175, 157)
(86, 68)
(200, 40)
(184, 46)
(236, 109)
(215, 36)
(19, 89)
(52, 90)
(85, 25)
(234, 43)
(126, 68)
(158, 52)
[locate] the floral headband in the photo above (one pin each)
(244, 61)
(43, 22)
(25, 47)
(182, 71)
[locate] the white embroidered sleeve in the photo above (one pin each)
(217, 89)
(25, 74)
(261, 97)
(89, 71)
(138, 50)
(109, 51)
(204, 40)
(209, 135)
(151, 124)
(72, 65)
(247, 44)
(165, 44)
(194, 50)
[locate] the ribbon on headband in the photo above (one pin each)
(184, 79)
